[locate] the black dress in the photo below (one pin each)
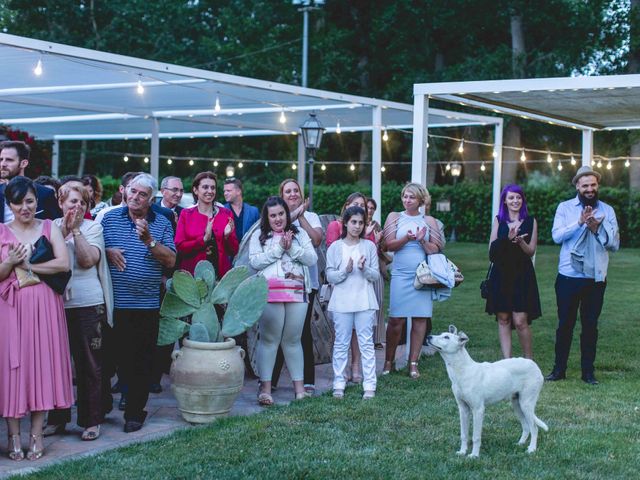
(513, 285)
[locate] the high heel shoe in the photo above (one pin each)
(15, 448)
(34, 452)
(388, 367)
(414, 373)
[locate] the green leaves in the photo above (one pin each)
(245, 306)
(171, 330)
(186, 288)
(225, 288)
(173, 306)
(208, 317)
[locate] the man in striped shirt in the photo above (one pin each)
(145, 241)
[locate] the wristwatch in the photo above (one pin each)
(152, 244)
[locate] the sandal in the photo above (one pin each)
(369, 394)
(338, 393)
(310, 390)
(15, 448)
(265, 399)
(302, 395)
(53, 429)
(89, 435)
(414, 373)
(388, 367)
(35, 452)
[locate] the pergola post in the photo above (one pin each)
(301, 161)
(497, 168)
(155, 149)
(55, 159)
(376, 161)
(420, 138)
(587, 147)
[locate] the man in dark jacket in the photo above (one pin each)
(14, 159)
(244, 215)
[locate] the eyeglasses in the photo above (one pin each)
(175, 190)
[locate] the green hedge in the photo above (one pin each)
(470, 205)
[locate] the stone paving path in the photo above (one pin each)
(163, 419)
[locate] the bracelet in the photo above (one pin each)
(75, 234)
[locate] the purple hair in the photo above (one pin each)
(503, 213)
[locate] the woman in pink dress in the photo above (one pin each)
(206, 231)
(35, 367)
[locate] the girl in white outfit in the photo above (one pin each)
(352, 267)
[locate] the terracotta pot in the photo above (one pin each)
(206, 378)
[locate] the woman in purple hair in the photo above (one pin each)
(513, 290)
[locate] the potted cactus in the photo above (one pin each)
(207, 373)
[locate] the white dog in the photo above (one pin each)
(478, 384)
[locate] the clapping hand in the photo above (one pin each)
(229, 228)
(519, 239)
(17, 254)
(349, 268)
(421, 233)
(585, 214)
(411, 235)
(208, 230)
(361, 262)
(593, 223)
(286, 240)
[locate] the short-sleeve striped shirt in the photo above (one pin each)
(138, 286)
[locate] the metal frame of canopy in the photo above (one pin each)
(582, 103)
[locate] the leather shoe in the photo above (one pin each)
(131, 426)
(555, 376)
(590, 379)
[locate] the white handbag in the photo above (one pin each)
(437, 271)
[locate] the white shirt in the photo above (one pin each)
(314, 221)
(8, 214)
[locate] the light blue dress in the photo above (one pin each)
(405, 300)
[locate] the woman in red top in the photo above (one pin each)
(206, 231)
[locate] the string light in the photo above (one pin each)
(523, 157)
(385, 136)
(627, 163)
(229, 171)
(549, 159)
(37, 71)
(323, 167)
(169, 161)
(448, 167)
(559, 167)
(215, 163)
(217, 107)
(266, 164)
(494, 153)
(383, 169)
(294, 166)
(599, 164)
(240, 164)
(461, 146)
(191, 162)
(283, 118)
(352, 167)
(338, 129)
(482, 167)
(573, 160)
(125, 159)
(140, 88)
(146, 160)
(609, 165)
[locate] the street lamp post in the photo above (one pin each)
(311, 131)
(305, 7)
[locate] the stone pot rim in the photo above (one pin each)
(226, 345)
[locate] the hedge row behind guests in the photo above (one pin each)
(352, 267)
(282, 253)
(14, 159)
(145, 242)
(88, 303)
(206, 231)
(513, 293)
(411, 236)
(35, 366)
(291, 192)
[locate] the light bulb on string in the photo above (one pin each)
(494, 153)
(549, 159)
(573, 160)
(385, 136)
(448, 167)
(323, 167)
(140, 87)
(125, 159)
(352, 167)
(599, 164)
(482, 167)
(627, 163)
(215, 163)
(266, 164)
(461, 146)
(146, 160)
(216, 107)
(523, 157)
(338, 129)
(559, 167)
(169, 161)
(383, 169)
(191, 162)
(37, 71)
(240, 164)
(294, 166)
(609, 166)
(283, 118)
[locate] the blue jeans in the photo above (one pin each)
(572, 294)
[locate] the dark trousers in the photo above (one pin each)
(136, 333)
(86, 327)
(573, 294)
(307, 349)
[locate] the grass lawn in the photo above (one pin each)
(411, 429)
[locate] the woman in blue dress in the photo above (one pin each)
(411, 236)
(513, 293)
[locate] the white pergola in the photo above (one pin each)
(84, 94)
(588, 104)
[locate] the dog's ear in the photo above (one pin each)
(453, 329)
(463, 338)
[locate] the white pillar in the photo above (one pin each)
(587, 147)
(301, 162)
(497, 169)
(376, 161)
(55, 159)
(155, 149)
(420, 139)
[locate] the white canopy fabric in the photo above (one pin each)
(83, 94)
(585, 103)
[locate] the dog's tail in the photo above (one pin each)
(541, 424)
